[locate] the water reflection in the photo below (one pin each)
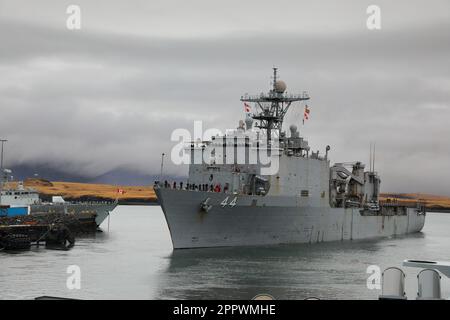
(327, 270)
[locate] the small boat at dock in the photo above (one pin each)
(20, 200)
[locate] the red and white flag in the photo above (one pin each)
(306, 114)
(247, 108)
(120, 191)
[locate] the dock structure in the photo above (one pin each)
(34, 232)
(55, 230)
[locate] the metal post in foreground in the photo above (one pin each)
(3, 142)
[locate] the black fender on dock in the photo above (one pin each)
(59, 237)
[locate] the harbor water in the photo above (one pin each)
(135, 260)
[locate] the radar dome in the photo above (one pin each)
(280, 86)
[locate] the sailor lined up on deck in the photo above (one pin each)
(195, 187)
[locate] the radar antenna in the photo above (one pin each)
(273, 106)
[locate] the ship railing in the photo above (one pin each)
(213, 188)
(88, 202)
(273, 95)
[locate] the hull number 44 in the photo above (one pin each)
(232, 203)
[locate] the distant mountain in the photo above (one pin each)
(44, 171)
(123, 177)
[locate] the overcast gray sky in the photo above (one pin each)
(109, 95)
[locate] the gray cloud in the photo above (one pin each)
(108, 96)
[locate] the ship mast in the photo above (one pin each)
(273, 106)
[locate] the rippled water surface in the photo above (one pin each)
(134, 260)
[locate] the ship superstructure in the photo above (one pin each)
(259, 185)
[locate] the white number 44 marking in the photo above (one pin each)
(231, 204)
(224, 202)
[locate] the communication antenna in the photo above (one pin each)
(162, 165)
(373, 166)
(370, 157)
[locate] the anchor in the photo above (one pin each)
(205, 206)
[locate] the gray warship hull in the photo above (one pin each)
(101, 210)
(256, 220)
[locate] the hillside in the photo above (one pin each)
(90, 192)
(433, 202)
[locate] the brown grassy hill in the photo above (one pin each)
(430, 200)
(88, 191)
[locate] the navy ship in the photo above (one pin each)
(259, 185)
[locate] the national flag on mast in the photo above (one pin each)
(306, 114)
(247, 108)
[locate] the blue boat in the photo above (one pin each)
(13, 211)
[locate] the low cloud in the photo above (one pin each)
(97, 100)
